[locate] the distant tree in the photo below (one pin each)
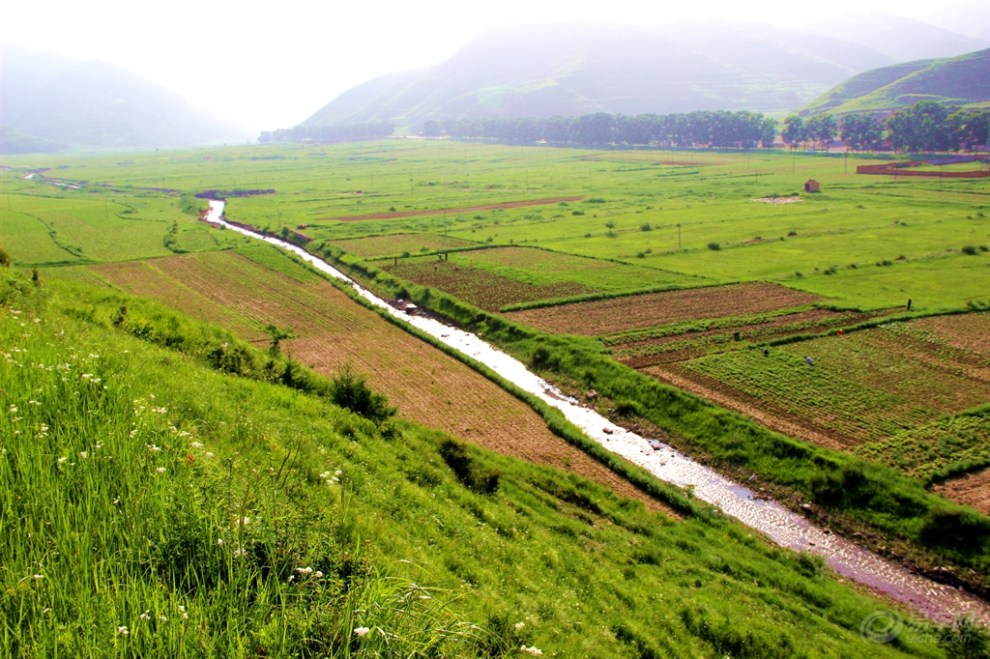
(970, 128)
(4, 258)
(794, 132)
(432, 128)
(822, 129)
(861, 131)
(922, 127)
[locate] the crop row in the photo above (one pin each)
(936, 450)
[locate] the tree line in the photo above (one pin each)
(926, 126)
(741, 129)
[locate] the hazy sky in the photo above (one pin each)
(273, 64)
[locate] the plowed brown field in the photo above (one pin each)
(639, 311)
(972, 490)
(330, 330)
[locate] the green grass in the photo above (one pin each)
(153, 505)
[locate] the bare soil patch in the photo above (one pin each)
(778, 200)
(331, 330)
(655, 309)
(971, 490)
(482, 288)
(463, 209)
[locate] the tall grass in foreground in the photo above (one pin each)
(123, 532)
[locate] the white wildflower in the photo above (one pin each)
(154, 448)
(196, 445)
(219, 541)
(160, 470)
(361, 631)
(83, 455)
(519, 626)
(62, 460)
(12, 409)
(532, 650)
(123, 630)
(304, 570)
(146, 615)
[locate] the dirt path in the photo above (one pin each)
(464, 209)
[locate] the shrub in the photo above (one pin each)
(4, 258)
(971, 250)
(351, 391)
(468, 472)
(955, 529)
(714, 246)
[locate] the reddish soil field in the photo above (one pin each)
(972, 490)
(481, 288)
(655, 309)
(464, 209)
(331, 330)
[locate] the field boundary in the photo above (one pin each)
(902, 168)
(465, 209)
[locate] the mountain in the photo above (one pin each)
(50, 101)
(900, 38)
(953, 81)
(579, 68)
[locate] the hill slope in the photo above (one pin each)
(955, 81)
(49, 100)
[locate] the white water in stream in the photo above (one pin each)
(784, 527)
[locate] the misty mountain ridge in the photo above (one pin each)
(50, 102)
(574, 68)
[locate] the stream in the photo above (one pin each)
(929, 598)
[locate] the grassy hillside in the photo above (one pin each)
(955, 81)
(156, 502)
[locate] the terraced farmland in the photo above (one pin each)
(645, 311)
(890, 394)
